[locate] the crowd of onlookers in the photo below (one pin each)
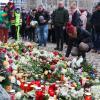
(78, 28)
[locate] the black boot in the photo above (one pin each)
(56, 48)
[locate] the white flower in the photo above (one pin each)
(18, 95)
(14, 67)
(79, 61)
(18, 82)
(2, 78)
(22, 59)
(63, 71)
(80, 92)
(69, 63)
(74, 93)
(64, 91)
(73, 63)
(71, 70)
(13, 79)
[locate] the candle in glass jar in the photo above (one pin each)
(12, 94)
(25, 87)
(39, 95)
(88, 96)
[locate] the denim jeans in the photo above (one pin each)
(42, 34)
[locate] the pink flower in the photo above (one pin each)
(52, 67)
(56, 53)
(4, 50)
(9, 69)
(10, 61)
(16, 57)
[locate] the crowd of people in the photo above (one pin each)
(78, 28)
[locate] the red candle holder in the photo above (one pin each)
(39, 95)
(25, 88)
(87, 96)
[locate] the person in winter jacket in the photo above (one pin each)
(4, 25)
(23, 26)
(83, 17)
(28, 32)
(42, 17)
(95, 21)
(18, 22)
(76, 20)
(11, 15)
(60, 17)
(79, 41)
(33, 25)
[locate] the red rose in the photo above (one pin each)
(52, 67)
(56, 53)
(10, 61)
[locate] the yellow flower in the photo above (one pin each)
(5, 63)
(6, 45)
(46, 72)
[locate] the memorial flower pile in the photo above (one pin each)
(44, 75)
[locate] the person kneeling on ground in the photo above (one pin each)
(79, 41)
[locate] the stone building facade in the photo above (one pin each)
(52, 4)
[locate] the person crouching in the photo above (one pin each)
(79, 41)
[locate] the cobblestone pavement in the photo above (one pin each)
(93, 58)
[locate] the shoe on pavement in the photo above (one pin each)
(56, 48)
(44, 45)
(98, 52)
(93, 51)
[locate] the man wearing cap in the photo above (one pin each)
(59, 18)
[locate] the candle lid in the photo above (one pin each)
(37, 88)
(26, 85)
(33, 86)
(12, 91)
(28, 82)
(87, 93)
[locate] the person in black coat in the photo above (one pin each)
(79, 41)
(76, 21)
(59, 18)
(23, 24)
(95, 21)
